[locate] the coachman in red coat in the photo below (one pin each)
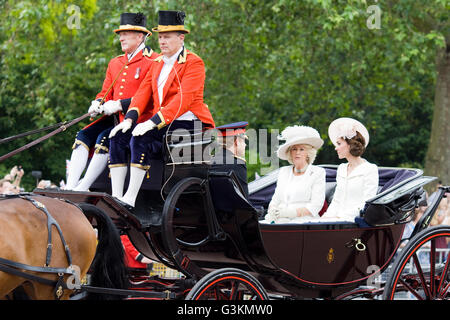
(124, 75)
(175, 84)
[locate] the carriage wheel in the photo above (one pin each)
(422, 269)
(228, 284)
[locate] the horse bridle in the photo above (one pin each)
(13, 267)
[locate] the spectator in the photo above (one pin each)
(441, 213)
(435, 192)
(447, 214)
(418, 213)
(439, 219)
(44, 184)
(15, 177)
(6, 187)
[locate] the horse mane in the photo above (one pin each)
(108, 270)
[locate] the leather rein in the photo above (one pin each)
(62, 127)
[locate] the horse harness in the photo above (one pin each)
(16, 268)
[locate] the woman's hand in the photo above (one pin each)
(303, 212)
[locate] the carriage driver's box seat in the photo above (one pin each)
(185, 154)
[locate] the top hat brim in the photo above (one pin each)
(129, 27)
(172, 28)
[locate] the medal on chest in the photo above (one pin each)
(138, 71)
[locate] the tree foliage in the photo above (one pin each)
(272, 63)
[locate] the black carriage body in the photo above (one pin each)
(307, 260)
(332, 259)
(195, 220)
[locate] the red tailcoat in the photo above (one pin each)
(183, 91)
(131, 76)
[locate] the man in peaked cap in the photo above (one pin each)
(128, 71)
(176, 85)
(231, 155)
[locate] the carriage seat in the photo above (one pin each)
(182, 147)
(330, 187)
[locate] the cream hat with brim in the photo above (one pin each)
(346, 128)
(298, 135)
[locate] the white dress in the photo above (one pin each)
(304, 191)
(352, 191)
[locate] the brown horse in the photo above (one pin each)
(24, 238)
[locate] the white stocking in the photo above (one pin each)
(96, 166)
(77, 164)
(118, 175)
(136, 177)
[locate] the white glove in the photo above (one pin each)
(273, 213)
(95, 108)
(288, 213)
(125, 125)
(112, 106)
(143, 127)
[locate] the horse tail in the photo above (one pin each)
(108, 270)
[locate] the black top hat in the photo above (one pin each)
(171, 21)
(133, 22)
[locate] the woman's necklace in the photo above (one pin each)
(302, 170)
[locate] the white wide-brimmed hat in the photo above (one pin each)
(298, 135)
(346, 128)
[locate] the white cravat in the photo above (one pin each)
(165, 71)
(132, 55)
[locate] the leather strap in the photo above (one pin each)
(63, 127)
(50, 222)
(18, 265)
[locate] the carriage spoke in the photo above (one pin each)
(432, 267)
(443, 294)
(443, 291)
(234, 290)
(220, 294)
(421, 275)
(422, 270)
(217, 292)
(411, 289)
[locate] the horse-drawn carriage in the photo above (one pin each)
(193, 217)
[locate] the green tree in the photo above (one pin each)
(272, 63)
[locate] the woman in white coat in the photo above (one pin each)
(300, 190)
(356, 180)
